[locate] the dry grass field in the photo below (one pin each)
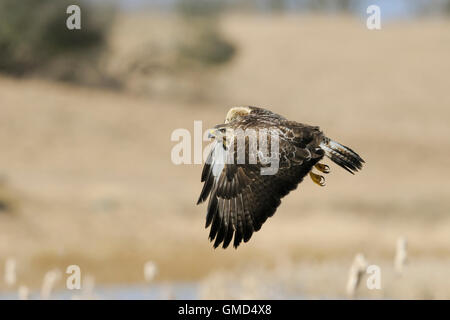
(89, 180)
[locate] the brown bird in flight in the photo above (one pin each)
(245, 184)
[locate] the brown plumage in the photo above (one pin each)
(241, 198)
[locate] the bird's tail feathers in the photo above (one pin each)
(342, 155)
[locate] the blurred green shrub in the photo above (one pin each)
(202, 43)
(9, 198)
(33, 36)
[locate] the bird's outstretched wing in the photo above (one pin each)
(241, 199)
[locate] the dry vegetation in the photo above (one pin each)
(90, 170)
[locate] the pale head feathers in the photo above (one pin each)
(236, 112)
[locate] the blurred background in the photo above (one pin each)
(86, 176)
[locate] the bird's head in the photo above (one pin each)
(218, 132)
(221, 133)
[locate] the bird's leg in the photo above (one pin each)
(322, 167)
(318, 179)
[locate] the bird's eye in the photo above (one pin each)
(222, 130)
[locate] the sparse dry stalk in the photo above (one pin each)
(150, 271)
(23, 292)
(357, 271)
(50, 279)
(88, 287)
(10, 272)
(87, 292)
(401, 255)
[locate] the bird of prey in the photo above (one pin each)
(241, 197)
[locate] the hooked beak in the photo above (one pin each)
(212, 133)
(218, 135)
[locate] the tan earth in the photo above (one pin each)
(89, 175)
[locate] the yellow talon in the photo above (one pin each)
(322, 168)
(318, 179)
